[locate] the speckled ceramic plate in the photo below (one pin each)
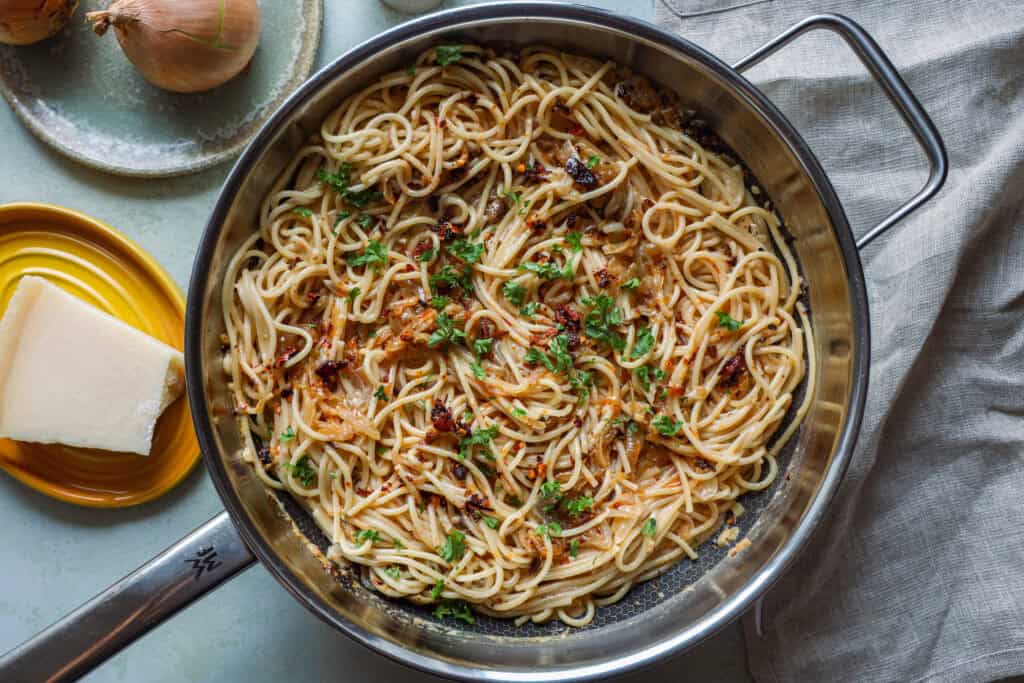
(79, 94)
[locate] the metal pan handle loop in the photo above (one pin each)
(118, 616)
(896, 90)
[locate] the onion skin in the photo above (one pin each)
(23, 22)
(184, 46)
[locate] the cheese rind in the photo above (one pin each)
(74, 375)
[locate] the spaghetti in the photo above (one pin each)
(516, 331)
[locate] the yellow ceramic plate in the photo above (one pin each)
(99, 265)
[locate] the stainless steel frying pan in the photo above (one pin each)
(660, 617)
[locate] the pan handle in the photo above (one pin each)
(896, 90)
(94, 632)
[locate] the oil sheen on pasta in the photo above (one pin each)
(513, 334)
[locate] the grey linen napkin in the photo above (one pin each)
(918, 572)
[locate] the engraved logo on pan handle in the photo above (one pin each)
(205, 561)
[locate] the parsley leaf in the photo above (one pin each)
(447, 54)
(530, 309)
(574, 548)
(439, 302)
(666, 426)
(287, 435)
(491, 522)
(550, 529)
(478, 371)
(303, 211)
(581, 382)
(426, 256)
(513, 196)
(577, 506)
(303, 470)
(650, 527)
(340, 182)
(602, 318)
(593, 161)
(643, 373)
(535, 356)
(559, 348)
(549, 270)
(449, 277)
(519, 412)
(455, 608)
(371, 535)
(644, 343)
(379, 394)
(376, 255)
(470, 252)
(515, 293)
(435, 592)
(551, 490)
(479, 437)
(631, 283)
(575, 241)
(394, 571)
(728, 322)
(365, 220)
(445, 332)
(352, 294)
(482, 346)
(398, 544)
(454, 546)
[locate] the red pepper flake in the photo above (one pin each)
(576, 129)
(328, 372)
(442, 417)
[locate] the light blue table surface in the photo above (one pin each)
(55, 556)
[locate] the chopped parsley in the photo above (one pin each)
(482, 346)
(467, 251)
(577, 506)
(398, 544)
(602, 317)
(394, 571)
(340, 182)
(650, 527)
(365, 220)
(447, 54)
(376, 255)
(454, 546)
(439, 302)
(478, 371)
(727, 321)
(479, 437)
(581, 382)
(515, 293)
(559, 349)
(287, 435)
(435, 592)
(666, 426)
(303, 211)
(513, 196)
(575, 241)
(491, 522)
(535, 356)
(352, 294)
(449, 277)
(342, 215)
(644, 343)
(519, 412)
(631, 283)
(645, 372)
(371, 535)
(454, 608)
(549, 271)
(303, 471)
(530, 309)
(379, 394)
(446, 332)
(526, 207)
(551, 489)
(550, 529)
(574, 548)
(426, 256)
(593, 161)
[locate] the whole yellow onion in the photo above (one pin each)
(184, 45)
(23, 22)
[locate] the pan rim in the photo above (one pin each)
(766, 575)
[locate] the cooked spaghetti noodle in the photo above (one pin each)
(517, 332)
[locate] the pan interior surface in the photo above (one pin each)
(693, 599)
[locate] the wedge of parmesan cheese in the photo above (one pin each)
(73, 375)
